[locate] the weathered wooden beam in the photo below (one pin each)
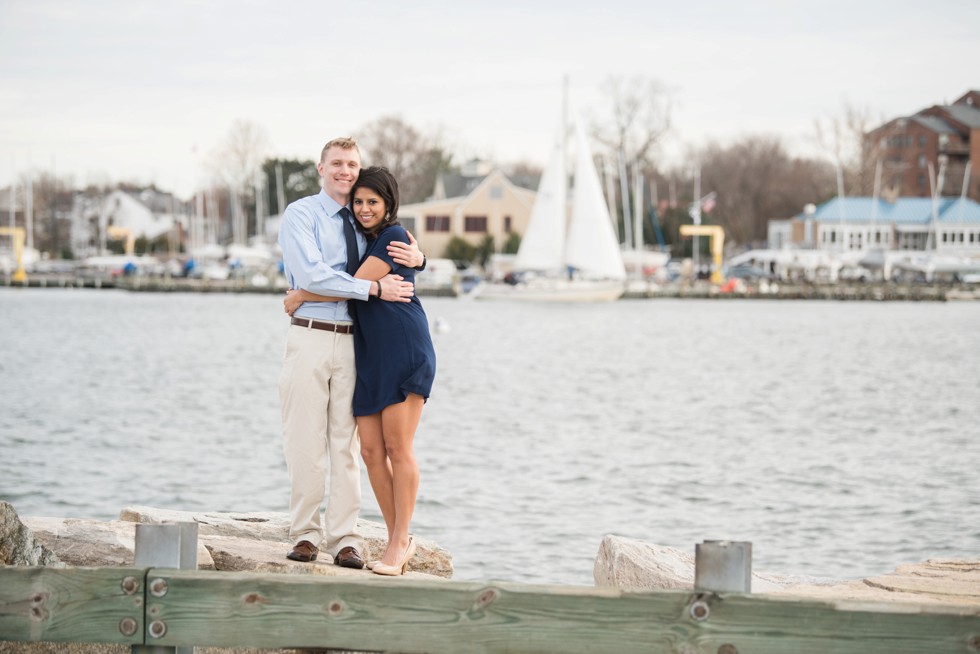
(86, 605)
(265, 610)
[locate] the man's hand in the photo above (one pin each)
(292, 301)
(406, 254)
(395, 289)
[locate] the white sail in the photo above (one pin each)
(542, 246)
(592, 246)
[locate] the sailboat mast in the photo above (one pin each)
(624, 189)
(638, 208)
(563, 200)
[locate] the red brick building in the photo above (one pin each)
(945, 136)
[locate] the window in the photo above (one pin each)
(475, 224)
(437, 223)
(922, 140)
(496, 192)
(922, 161)
(408, 222)
(508, 227)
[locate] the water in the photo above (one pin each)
(840, 438)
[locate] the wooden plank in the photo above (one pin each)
(83, 605)
(263, 610)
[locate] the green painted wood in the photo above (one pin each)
(83, 605)
(275, 610)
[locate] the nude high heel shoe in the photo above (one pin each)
(396, 570)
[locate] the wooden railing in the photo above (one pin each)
(170, 607)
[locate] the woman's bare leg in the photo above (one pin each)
(378, 468)
(398, 425)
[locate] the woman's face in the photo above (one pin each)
(369, 208)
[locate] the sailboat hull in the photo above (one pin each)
(553, 290)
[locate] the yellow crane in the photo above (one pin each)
(122, 233)
(717, 235)
(19, 237)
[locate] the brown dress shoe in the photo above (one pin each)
(304, 551)
(349, 558)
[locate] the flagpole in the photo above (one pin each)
(696, 215)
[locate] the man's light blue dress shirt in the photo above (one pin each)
(314, 256)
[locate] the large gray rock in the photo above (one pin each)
(18, 546)
(259, 541)
(255, 542)
(632, 564)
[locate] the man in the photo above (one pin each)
(320, 252)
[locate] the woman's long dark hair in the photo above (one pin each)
(380, 180)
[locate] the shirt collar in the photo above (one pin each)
(329, 204)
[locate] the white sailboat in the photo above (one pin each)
(578, 263)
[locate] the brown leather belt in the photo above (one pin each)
(326, 326)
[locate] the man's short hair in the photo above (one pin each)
(344, 143)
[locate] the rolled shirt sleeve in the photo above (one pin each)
(314, 255)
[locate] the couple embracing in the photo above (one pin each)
(351, 270)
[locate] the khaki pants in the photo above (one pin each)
(316, 390)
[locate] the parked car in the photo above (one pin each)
(745, 271)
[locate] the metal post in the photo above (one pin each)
(723, 566)
(164, 546)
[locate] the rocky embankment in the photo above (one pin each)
(253, 542)
(636, 565)
(258, 542)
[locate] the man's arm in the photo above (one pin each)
(304, 263)
(392, 288)
(407, 254)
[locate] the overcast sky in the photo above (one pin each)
(138, 90)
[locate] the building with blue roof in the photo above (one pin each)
(946, 225)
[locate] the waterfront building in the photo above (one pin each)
(872, 238)
(478, 202)
(948, 225)
(932, 147)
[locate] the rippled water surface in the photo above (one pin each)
(840, 438)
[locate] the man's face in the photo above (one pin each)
(339, 170)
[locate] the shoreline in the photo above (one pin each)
(848, 291)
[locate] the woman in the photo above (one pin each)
(395, 368)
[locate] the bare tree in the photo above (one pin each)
(844, 139)
(415, 159)
(239, 156)
(756, 180)
(236, 163)
(640, 116)
(52, 202)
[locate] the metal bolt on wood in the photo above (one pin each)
(127, 626)
(130, 585)
(158, 628)
(700, 610)
(159, 587)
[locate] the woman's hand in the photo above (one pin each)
(406, 254)
(292, 301)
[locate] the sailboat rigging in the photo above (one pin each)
(562, 257)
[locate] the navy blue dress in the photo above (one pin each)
(392, 347)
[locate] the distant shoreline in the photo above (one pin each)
(850, 291)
